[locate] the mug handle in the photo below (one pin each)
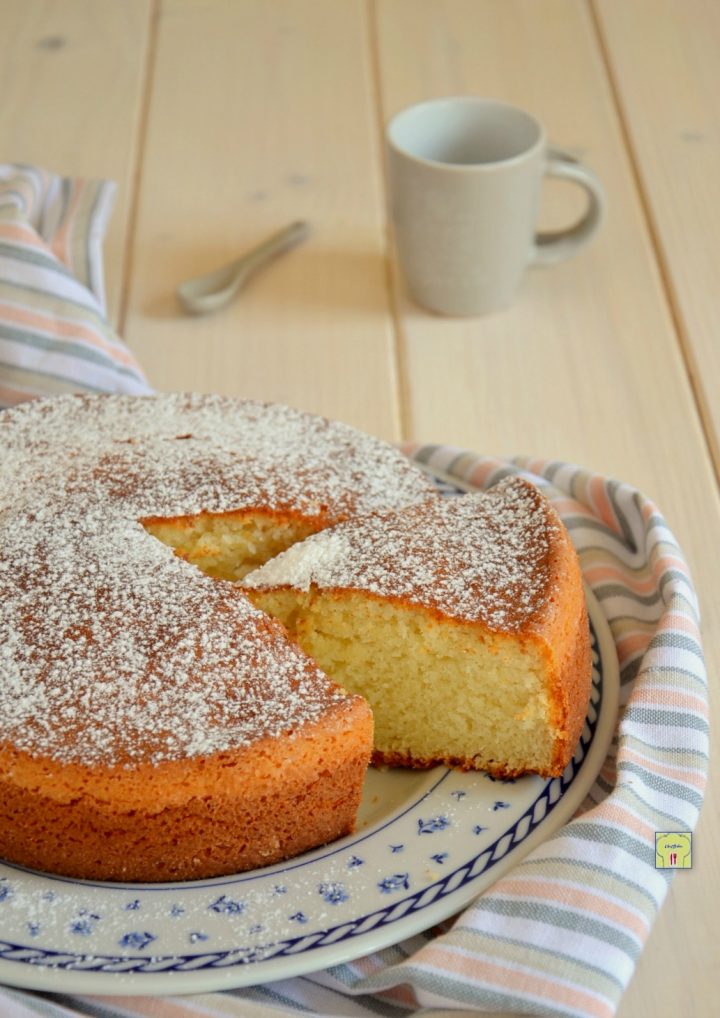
(561, 244)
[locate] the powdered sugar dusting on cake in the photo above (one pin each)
(180, 454)
(113, 650)
(328, 563)
(479, 557)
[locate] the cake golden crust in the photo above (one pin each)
(119, 661)
(185, 819)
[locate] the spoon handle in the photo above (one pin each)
(279, 242)
(204, 294)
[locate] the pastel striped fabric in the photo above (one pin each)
(562, 932)
(54, 336)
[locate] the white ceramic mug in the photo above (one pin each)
(465, 178)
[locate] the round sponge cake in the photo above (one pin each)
(154, 725)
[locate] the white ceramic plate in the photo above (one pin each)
(428, 842)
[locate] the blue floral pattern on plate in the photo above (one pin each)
(427, 843)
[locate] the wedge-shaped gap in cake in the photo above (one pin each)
(229, 545)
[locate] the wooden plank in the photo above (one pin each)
(665, 60)
(587, 365)
(72, 82)
(263, 114)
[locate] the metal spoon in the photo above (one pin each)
(208, 293)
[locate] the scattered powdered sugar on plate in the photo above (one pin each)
(478, 557)
(112, 649)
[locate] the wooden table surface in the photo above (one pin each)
(222, 120)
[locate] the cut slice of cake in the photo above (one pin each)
(462, 621)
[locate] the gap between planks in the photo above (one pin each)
(404, 422)
(136, 176)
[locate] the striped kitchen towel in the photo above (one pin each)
(559, 934)
(54, 336)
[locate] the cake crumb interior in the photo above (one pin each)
(441, 692)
